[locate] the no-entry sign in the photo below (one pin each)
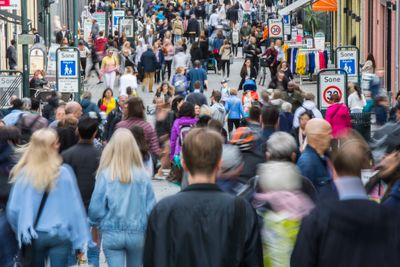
(275, 28)
(331, 83)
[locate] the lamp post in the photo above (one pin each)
(107, 16)
(25, 49)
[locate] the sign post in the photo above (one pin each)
(330, 82)
(287, 27)
(275, 27)
(68, 70)
(117, 15)
(348, 59)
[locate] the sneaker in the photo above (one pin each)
(100, 82)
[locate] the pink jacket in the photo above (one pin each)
(339, 117)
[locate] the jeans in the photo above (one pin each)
(235, 48)
(167, 67)
(53, 247)
(109, 78)
(122, 247)
(8, 242)
(227, 64)
(177, 38)
(93, 256)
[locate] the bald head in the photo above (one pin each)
(73, 108)
(319, 135)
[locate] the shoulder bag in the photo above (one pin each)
(24, 257)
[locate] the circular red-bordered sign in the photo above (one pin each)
(331, 90)
(275, 30)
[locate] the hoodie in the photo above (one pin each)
(218, 112)
(90, 108)
(308, 105)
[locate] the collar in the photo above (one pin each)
(350, 187)
(202, 187)
(311, 149)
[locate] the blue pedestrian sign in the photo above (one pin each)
(349, 65)
(68, 68)
(347, 60)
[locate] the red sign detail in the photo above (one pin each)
(4, 2)
(330, 90)
(275, 30)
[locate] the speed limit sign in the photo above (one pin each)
(331, 83)
(275, 28)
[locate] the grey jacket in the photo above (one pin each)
(218, 112)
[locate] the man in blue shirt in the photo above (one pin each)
(197, 74)
(313, 163)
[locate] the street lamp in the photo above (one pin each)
(108, 6)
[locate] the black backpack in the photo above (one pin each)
(25, 129)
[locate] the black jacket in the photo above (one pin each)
(252, 52)
(84, 159)
(348, 233)
(148, 61)
(193, 26)
(113, 118)
(196, 54)
(197, 228)
(204, 49)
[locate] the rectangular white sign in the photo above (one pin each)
(68, 71)
(330, 84)
(348, 60)
(6, 82)
(275, 28)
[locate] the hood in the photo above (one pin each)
(219, 107)
(187, 120)
(294, 204)
(309, 104)
(85, 103)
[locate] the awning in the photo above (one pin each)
(10, 17)
(294, 6)
(325, 5)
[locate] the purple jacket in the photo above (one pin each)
(175, 146)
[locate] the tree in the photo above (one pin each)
(311, 20)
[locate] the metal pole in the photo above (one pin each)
(397, 43)
(48, 27)
(76, 19)
(25, 49)
(389, 47)
(339, 23)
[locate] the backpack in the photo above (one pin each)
(25, 129)
(183, 131)
(179, 83)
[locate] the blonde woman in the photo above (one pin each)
(122, 201)
(109, 68)
(39, 176)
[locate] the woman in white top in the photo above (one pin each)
(127, 80)
(356, 100)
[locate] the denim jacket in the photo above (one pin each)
(122, 207)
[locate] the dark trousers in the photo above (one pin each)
(227, 64)
(235, 48)
(167, 67)
(8, 242)
(233, 122)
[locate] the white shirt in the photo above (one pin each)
(125, 81)
(213, 21)
(355, 102)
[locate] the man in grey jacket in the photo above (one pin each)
(12, 56)
(95, 29)
(217, 109)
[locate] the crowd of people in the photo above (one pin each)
(266, 178)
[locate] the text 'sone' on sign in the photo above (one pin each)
(330, 84)
(348, 61)
(275, 28)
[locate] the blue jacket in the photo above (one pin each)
(63, 213)
(197, 74)
(217, 43)
(149, 61)
(315, 168)
(393, 199)
(122, 207)
(234, 108)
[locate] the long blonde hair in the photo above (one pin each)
(40, 161)
(120, 155)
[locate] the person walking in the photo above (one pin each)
(128, 79)
(248, 71)
(222, 234)
(109, 68)
(11, 55)
(45, 207)
(135, 116)
(122, 201)
(234, 109)
(226, 54)
(148, 61)
(197, 74)
(107, 102)
(338, 116)
(180, 82)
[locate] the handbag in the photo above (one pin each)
(24, 257)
